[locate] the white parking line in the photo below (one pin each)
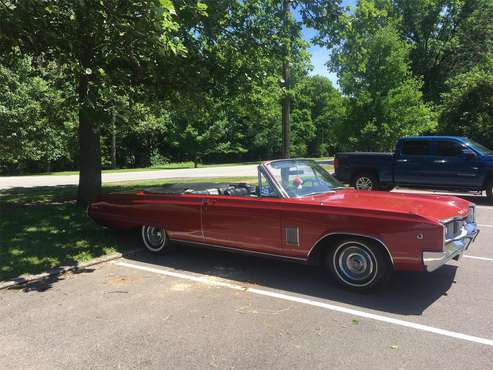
(479, 258)
(211, 281)
(484, 225)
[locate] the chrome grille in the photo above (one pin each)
(453, 228)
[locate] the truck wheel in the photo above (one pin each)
(365, 181)
(358, 264)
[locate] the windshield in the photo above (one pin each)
(481, 149)
(302, 177)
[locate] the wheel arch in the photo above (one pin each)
(328, 241)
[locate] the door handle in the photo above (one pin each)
(402, 160)
(440, 161)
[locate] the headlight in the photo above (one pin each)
(453, 229)
(449, 230)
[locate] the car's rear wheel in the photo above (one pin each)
(358, 264)
(365, 181)
(154, 238)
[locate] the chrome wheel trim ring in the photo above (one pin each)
(355, 264)
(363, 183)
(154, 238)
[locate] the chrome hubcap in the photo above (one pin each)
(154, 237)
(355, 264)
(364, 183)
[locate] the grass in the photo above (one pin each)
(41, 228)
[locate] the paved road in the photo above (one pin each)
(197, 308)
(7, 182)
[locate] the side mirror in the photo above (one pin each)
(469, 154)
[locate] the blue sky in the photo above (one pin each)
(321, 55)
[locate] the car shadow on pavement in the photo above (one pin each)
(406, 293)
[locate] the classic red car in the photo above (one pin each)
(298, 211)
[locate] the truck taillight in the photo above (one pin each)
(336, 163)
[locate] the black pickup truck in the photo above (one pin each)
(436, 162)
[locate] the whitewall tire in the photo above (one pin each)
(358, 264)
(155, 239)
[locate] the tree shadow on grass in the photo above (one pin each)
(41, 228)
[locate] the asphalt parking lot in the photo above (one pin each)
(197, 308)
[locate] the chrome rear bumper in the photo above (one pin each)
(453, 249)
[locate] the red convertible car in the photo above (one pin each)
(298, 211)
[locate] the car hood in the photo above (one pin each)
(436, 207)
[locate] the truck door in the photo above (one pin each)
(413, 163)
(453, 167)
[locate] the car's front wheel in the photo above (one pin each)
(154, 238)
(358, 264)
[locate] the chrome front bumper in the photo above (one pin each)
(453, 249)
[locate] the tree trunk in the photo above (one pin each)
(90, 146)
(113, 140)
(286, 101)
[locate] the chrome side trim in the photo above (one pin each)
(239, 250)
(353, 234)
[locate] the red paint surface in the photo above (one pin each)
(259, 224)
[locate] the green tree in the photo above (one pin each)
(324, 16)
(448, 37)
(318, 109)
(467, 106)
(205, 130)
(385, 100)
(35, 124)
(97, 43)
(238, 47)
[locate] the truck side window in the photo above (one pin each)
(416, 147)
(449, 148)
